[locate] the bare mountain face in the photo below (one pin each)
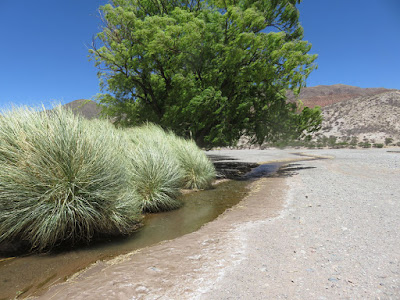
(367, 117)
(87, 108)
(323, 95)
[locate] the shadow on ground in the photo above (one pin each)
(291, 170)
(230, 168)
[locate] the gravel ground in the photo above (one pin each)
(324, 229)
(337, 238)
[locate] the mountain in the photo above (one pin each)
(323, 95)
(367, 117)
(87, 108)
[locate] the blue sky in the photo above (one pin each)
(358, 41)
(44, 43)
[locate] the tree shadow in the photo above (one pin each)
(228, 167)
(290, 170)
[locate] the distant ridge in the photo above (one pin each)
(87, 108)
(323, 95)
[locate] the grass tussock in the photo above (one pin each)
(61, 179)
(199, 172)
(155, 171)
(67, 179)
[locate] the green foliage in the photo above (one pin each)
(364, 144)
(388, 141)
(62, 179)
(378, 145)
(212, 70)
(332, 141)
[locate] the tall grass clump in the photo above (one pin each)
(62, 179)
(199, 171)
(156, 175)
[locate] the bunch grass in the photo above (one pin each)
(155, 172)
(62, 179)
(199, 171)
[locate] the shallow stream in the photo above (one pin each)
(28, 275)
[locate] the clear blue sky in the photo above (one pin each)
(43, 50)
(358, 41)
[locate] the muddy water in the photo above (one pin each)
(28, 275)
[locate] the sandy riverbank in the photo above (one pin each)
(325, 229)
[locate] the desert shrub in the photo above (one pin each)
(155, 170)
(388, 141)
(364, 145)
(311, 145)
(353, 141)
(62, 179)
(341, 145)
(198, 170)
(325, 140)
(332, 141)
(378, 145)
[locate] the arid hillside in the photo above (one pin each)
(323, 95)
(87, 108)
(367, 117)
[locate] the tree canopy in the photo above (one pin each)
(213, 70)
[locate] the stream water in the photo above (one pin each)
(28, 275)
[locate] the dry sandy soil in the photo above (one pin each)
(322, 229)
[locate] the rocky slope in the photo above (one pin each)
(87, 108)
(367, 117)
(323, 95)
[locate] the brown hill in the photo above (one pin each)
(323, 95)
(87, 108)
(367, 117)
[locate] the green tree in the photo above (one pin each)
(213, 70)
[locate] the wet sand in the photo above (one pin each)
(325, 229)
